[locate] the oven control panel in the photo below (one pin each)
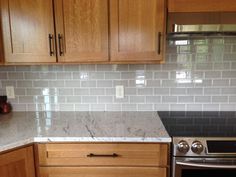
(183, 146)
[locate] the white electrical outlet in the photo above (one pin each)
(10, 92)
(120, 93)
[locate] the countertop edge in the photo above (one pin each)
(83, 140)
(102, 139)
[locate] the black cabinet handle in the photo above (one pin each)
(103, 155)
(159, 43)
(60, 38)
(51, 46)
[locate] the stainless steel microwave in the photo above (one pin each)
(180, 24)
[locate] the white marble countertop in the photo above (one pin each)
(21, 128)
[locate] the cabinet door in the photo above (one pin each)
(137, 30)
(82, 30)
(102, 172)
(28, 30)
(18, 163)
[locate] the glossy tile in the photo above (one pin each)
(198, 74)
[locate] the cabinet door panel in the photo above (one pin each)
(26, 28)
(135, 28)
(102, 172)
(83, 28)
(18, 163)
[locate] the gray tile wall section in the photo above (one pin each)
(199, 75)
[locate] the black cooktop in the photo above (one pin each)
(199, 124)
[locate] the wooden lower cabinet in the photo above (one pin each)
(135, 154)
(17, 163)
(103, 159)
(102, 172)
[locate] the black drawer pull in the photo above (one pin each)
(51, 46)
(103, 155)
(159, 44)
(60, 42)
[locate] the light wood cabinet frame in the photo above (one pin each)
(17, 163)
(137, 30)
(26, 26)
(82, 30)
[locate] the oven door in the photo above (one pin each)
(204, 167)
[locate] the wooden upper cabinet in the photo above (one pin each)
(202, 6)
(27, 26)
(137, 30)
(79, 31)
(82, 30)
(17, 163)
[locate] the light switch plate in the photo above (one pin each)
(120, 93)
(10, 92)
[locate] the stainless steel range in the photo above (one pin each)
(204, 143)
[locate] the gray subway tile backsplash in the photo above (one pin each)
(199, 76)
(89, 99)
(212, 74)
(137, 99)
(73, 99)
(88, 84)
(15, 75)
(202, 99)
(227, 107)
(104, 83)
(98, 107)
(232, 99)
(82, 107)
(19, 84)
(186, 99)
(81, 91)
(105, 99)
(145, 91)
(153, 99)
(145, 107)
(65, 91)
(195, 91)
(40, 84)
(194, 107)
(228, 91)
(129, 107)
(169, 99)
(221, 82)
(229, 74)
(113, 107)
(212, 91)
(220, 99)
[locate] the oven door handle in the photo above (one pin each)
(204, 165)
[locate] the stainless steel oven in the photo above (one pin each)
(204, 143)
(204, 157)
(204, 167)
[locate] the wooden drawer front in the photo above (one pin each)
(128, 154)
(102, 172)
